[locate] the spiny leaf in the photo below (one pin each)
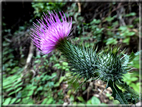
(130, 95)
(117, 93)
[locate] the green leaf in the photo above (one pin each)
(40, 88)
(33, 87)
(136, 86)
(7, 101)
(13, 100)
(134, 78)
(130, 14)
(53, 75)
(80, 99)
(123, 28)
(65, 64)
(47, 101)
(126, 41)
(27, 100)
(61, 79)
(111, 41)
(89, 102)
(50, 101)
(115, 23)
(50, 84)
(57, 65)
(17, 85)
(30, 93)
(95, 100)
(130, 33)
(9, 89)
(11, 93)
(38, 61)
(95, 21)
(17, 90)
(58, 83)
(71, 98)
(109, 19)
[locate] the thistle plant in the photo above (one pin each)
(51, 33)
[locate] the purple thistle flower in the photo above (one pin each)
(50, 31)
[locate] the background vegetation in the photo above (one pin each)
(32, 78)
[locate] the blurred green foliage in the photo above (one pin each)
(15, 91)
(132, 78)
(40, 7)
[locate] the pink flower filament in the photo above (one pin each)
(50, 31)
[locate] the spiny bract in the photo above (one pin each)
(110, 65)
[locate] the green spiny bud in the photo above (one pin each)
(110, 65)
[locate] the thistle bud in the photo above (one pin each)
(110, 65)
